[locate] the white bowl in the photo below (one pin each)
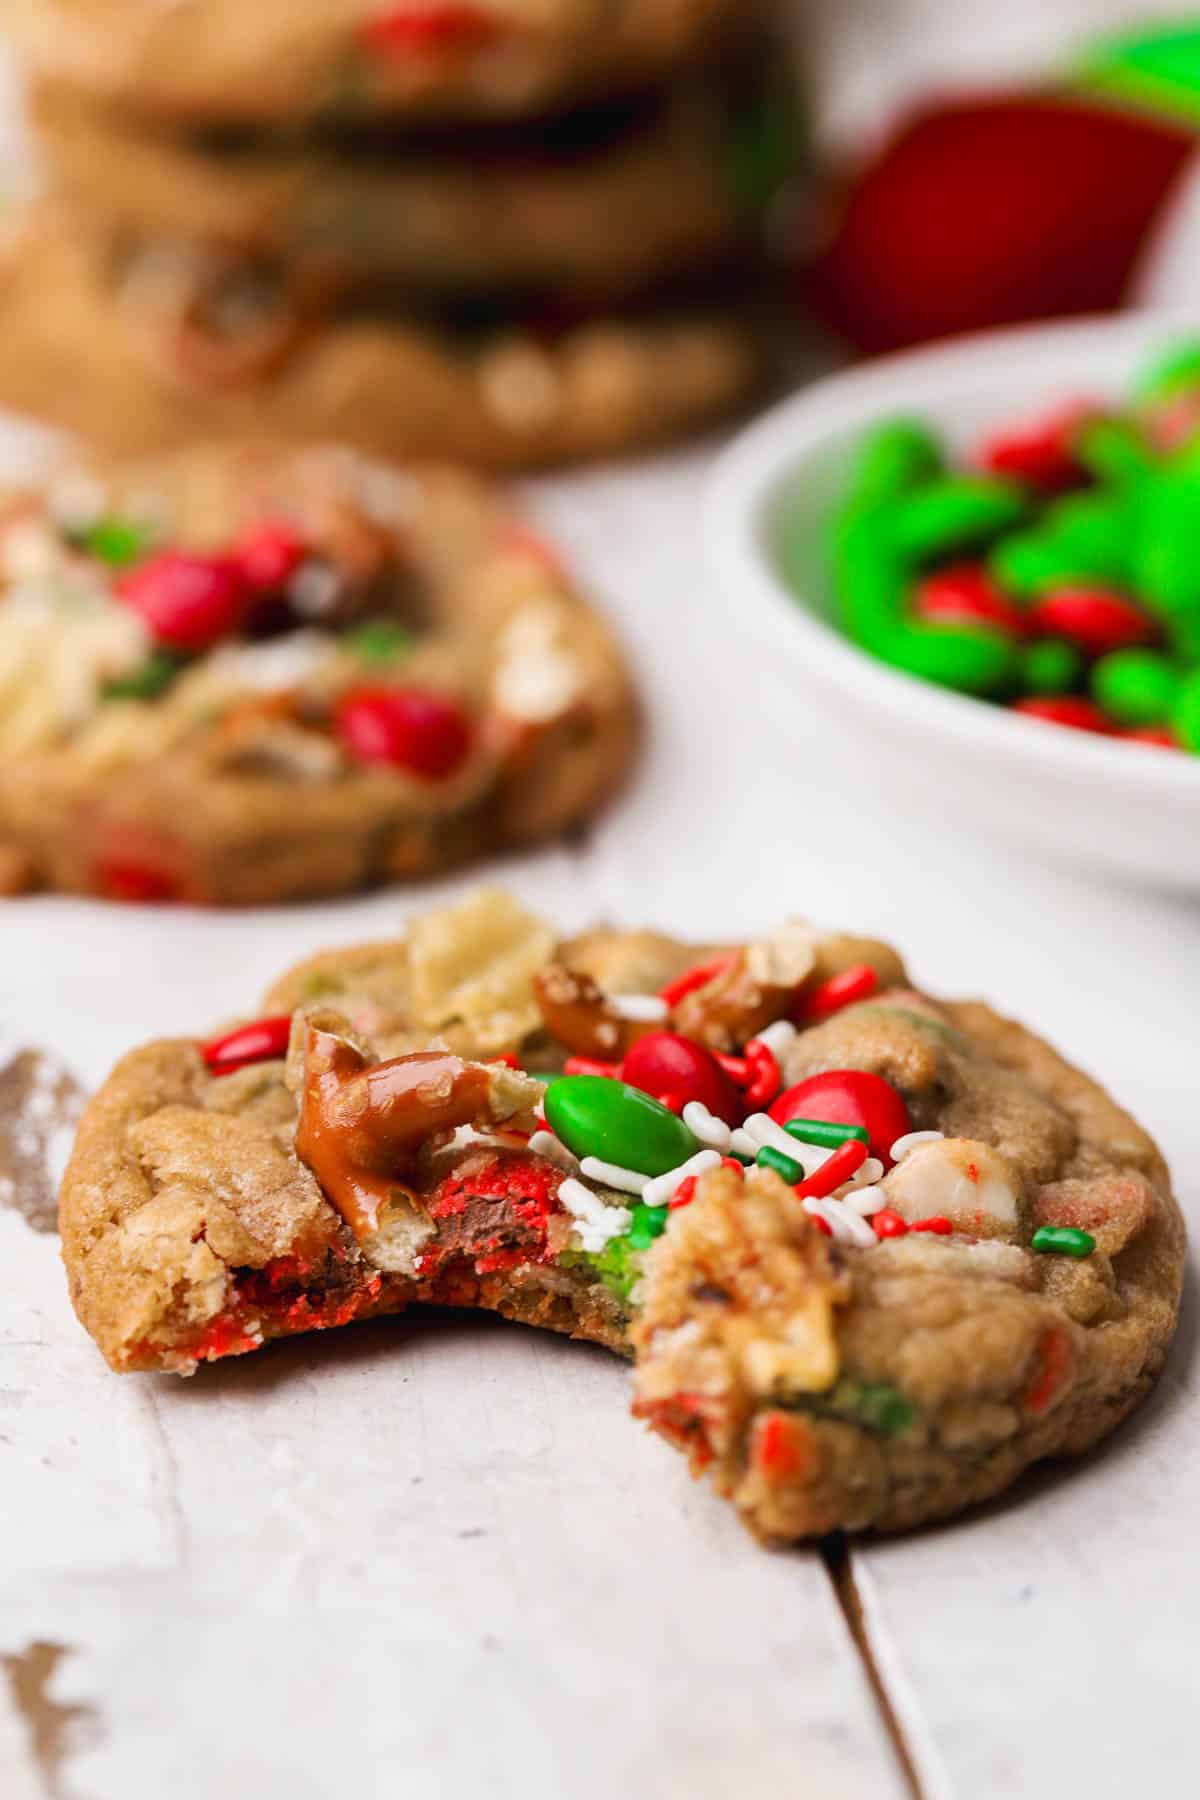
(1129, 809)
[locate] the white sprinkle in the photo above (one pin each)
(846, 1226)
(742, 1144)
(910, 1141)
(704, 1125)
(644, 1009)
(866, 1173)
(658, 1192)
(865, 1201)
(763, 1130)
(596, 1224)
(612, 1175)
(544, 1143)
(778, 1038)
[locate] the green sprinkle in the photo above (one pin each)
(873, 1404)
(1172, 370)
(117, 542)
(770, 1158)
(150, 679)
(824, 1132)
(379, 641)
(1050, 667)
(1063, 1240)
(1113, 450)
(766, 143)
(649, 1222)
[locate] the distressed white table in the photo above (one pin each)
(434, 1557)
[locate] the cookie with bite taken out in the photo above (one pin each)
(872, 1253)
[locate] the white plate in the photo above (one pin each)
(1131, 810)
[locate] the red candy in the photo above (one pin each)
(1152, 734)
(1065, 709)
(1040, 453)
(941, 1227)
(889, 1224)
(858, 982)
(269, 555)
(120, 878)
(1093, 618)
(849, 1097)
(588, 1065)
(187, 602)
(684, 1194)
(663, 1063)
(965, 593)
(259, 1042)
(406, 728)
(407, 30)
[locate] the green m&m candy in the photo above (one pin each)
(954, 513)
(595, 1116)
(894, 457)
(1135, 687)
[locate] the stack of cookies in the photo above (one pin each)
(516, 232)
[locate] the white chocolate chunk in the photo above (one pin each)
(960, 1179)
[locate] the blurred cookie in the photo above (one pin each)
(354, 59)
(242, 675)
(599, 206)
(160, 351)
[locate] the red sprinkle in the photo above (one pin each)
(684, 1194)
(186, 602)
(415, 29)
(765, 1080)
(858, 982)
(269, 554)
(821, 1224)
(587, 1065)
(259, 1042)
(889, 1224)
(837, 1168)
(782, 1447)
(1065, 709)
(731, 1162)
(506, 1061)
(696, 977)
(1093, 618)
(966, 594)
(407, 728)
(941, 1226)
(1054, 1357)
(1041, 452)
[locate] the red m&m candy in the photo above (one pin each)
(187, 602)
(1093, 618)
(269, 554)
(408, 728)
(1065, 709)
(662, 1063)
(849, 1097)
(965, 594)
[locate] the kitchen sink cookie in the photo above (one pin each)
(172, 342)
(248, 675)
(873, 1253)
(347, 60)
(595, 206)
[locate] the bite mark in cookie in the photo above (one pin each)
(847, 1320)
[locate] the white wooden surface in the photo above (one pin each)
(436, 1558)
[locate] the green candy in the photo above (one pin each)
(380, 641)
(1031, 563)
(770, 1158)
(1093, 530)
(954, 513)
(1135, 687)
(871, 585)
(1171, 371)
(824, 1134)
(1063, 1240)
(117, 542)
(893, 458)
(1166, 551)
(968, 660)
(1051, 666)
(1114, 450)
(1185, 714)
(1183, 635)
(595, 1116)
(649, 1222)
(150, 679)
